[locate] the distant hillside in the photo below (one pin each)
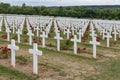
(102, 6)
(87, 11)
(89, 6)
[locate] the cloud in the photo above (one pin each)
(62, 2)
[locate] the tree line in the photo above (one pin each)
(73, 11)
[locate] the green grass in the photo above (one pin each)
(62, 73)
(48, 51)
(13, 74)
(109, 70)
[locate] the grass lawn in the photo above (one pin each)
(11, 74)
(54, 65)
(64, 65)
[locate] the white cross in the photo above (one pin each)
(108, 36)
(72, 30)
(115, 34)
(119, 33)
(43, 38)
(37, 29)
(6, 23)
(13, 47)
(13, 28)
(0, 26)
(8, 33)
(56, 30)
(75, 40)
(19, 32)
(93, 34)
(94, 42)
(30, 34)
(68, 33)
(47, 31)
(64, 29)
(58, 40)
(35, 53)
(103, 33)
(110, 30)
(80, 34)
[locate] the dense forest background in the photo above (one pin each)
(98, 12)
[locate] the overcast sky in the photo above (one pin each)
(62, 2)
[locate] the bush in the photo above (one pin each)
(50, 45)
(4, 36)
(15, 37)
(4, 52)
(22, 59)
(65, 45)
(25, 40)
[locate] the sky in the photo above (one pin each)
(62, 2)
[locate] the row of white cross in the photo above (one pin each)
(66, 27)
(75, 40)
(33, 51)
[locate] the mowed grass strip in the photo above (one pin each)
(108, 70)
(48, 51)
(10, 74)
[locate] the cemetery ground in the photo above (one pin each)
(63, 65)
